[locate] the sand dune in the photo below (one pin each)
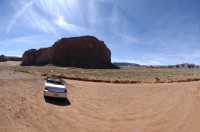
(173, 107)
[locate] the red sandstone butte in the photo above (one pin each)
(84, 52)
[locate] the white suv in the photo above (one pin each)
(55, 87)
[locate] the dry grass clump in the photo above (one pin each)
(122, 75)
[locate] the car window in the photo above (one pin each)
(56, 81)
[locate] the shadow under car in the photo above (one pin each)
(57, 101)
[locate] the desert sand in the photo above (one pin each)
(98, 107)
(10, 63)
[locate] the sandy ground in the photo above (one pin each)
(10, 63)
(99, 107)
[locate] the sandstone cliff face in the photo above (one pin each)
(81, 52)
(85, 52)
(29, 57)
(44, 56)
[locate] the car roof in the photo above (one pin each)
(54, 78)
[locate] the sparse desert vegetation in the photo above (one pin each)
(122, 75)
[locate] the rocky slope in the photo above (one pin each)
(85, 52)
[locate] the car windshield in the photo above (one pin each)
(55, 81)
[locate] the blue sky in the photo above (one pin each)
(150, 32)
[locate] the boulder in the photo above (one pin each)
(84, 52)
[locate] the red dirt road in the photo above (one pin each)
(101, 107)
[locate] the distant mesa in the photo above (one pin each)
(125, 64)
(184, 65)
(4, 58)
(83, 52)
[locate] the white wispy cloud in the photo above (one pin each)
(36, 21)
(24, 39)
(68, 8)
(33, 41)
(72, 28)
(58, 14)
(163, 34)
(19, 44)
(17, 15)
(69, 16)
(141, 62)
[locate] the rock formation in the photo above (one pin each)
(29, 57)
(44, 56)
(85, 52)
(184, 65)
(126, 64)
(4, 58)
